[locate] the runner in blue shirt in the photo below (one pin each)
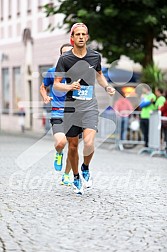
(57, 99)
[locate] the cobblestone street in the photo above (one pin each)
(125, 211)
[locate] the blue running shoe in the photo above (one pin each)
(78, 188)
(87, 179)
(58, 162)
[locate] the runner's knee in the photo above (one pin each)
(60, 145)
(89, 143)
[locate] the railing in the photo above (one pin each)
(109, 131)
(156, 137)
(112, 130)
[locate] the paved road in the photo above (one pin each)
(126, 211)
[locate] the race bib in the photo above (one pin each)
(85, 93)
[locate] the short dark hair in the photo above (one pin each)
(165, 94)
(64, 45)
(160, 90)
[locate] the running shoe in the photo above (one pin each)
(87, 179)
(66, 180)
(78, 188)
(58, 162)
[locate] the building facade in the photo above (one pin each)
(27, 49)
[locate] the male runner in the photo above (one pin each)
(57, 102)
(81, 109)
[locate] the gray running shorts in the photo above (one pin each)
(75, 122)
(57, 125)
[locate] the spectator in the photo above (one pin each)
(123, 109)
(21, 114)
(147, 106)
(160, 98)
(164, 122)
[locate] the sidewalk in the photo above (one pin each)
(126, 210)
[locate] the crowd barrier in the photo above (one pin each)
(109, 129)
(155, 144)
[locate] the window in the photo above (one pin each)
(9, 9)
(41, 3)
(28, 6)
(18, 7)
(5, 90)
(18, 88)
(9, 31)
(18, 29)
(1, 7)
(51, 4)
(2, 33)
(40, 25)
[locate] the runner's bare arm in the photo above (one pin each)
(103, 83)
(43, 92)
(65, 88)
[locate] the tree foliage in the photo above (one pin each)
(153, 76)
(121, 27)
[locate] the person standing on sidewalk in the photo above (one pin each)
(81, 109)
(57, 103)
(160, 98)
(164, 122)
(123, 108)
(147, 106)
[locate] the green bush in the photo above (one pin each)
(153, 76)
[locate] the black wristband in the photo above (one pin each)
(106, 88)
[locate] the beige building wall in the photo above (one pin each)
(160, 56)
(16, 16)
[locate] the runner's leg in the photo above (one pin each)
(74, 158)
(60, 141)
(73, 153)
(68, 166)
(88, 136)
